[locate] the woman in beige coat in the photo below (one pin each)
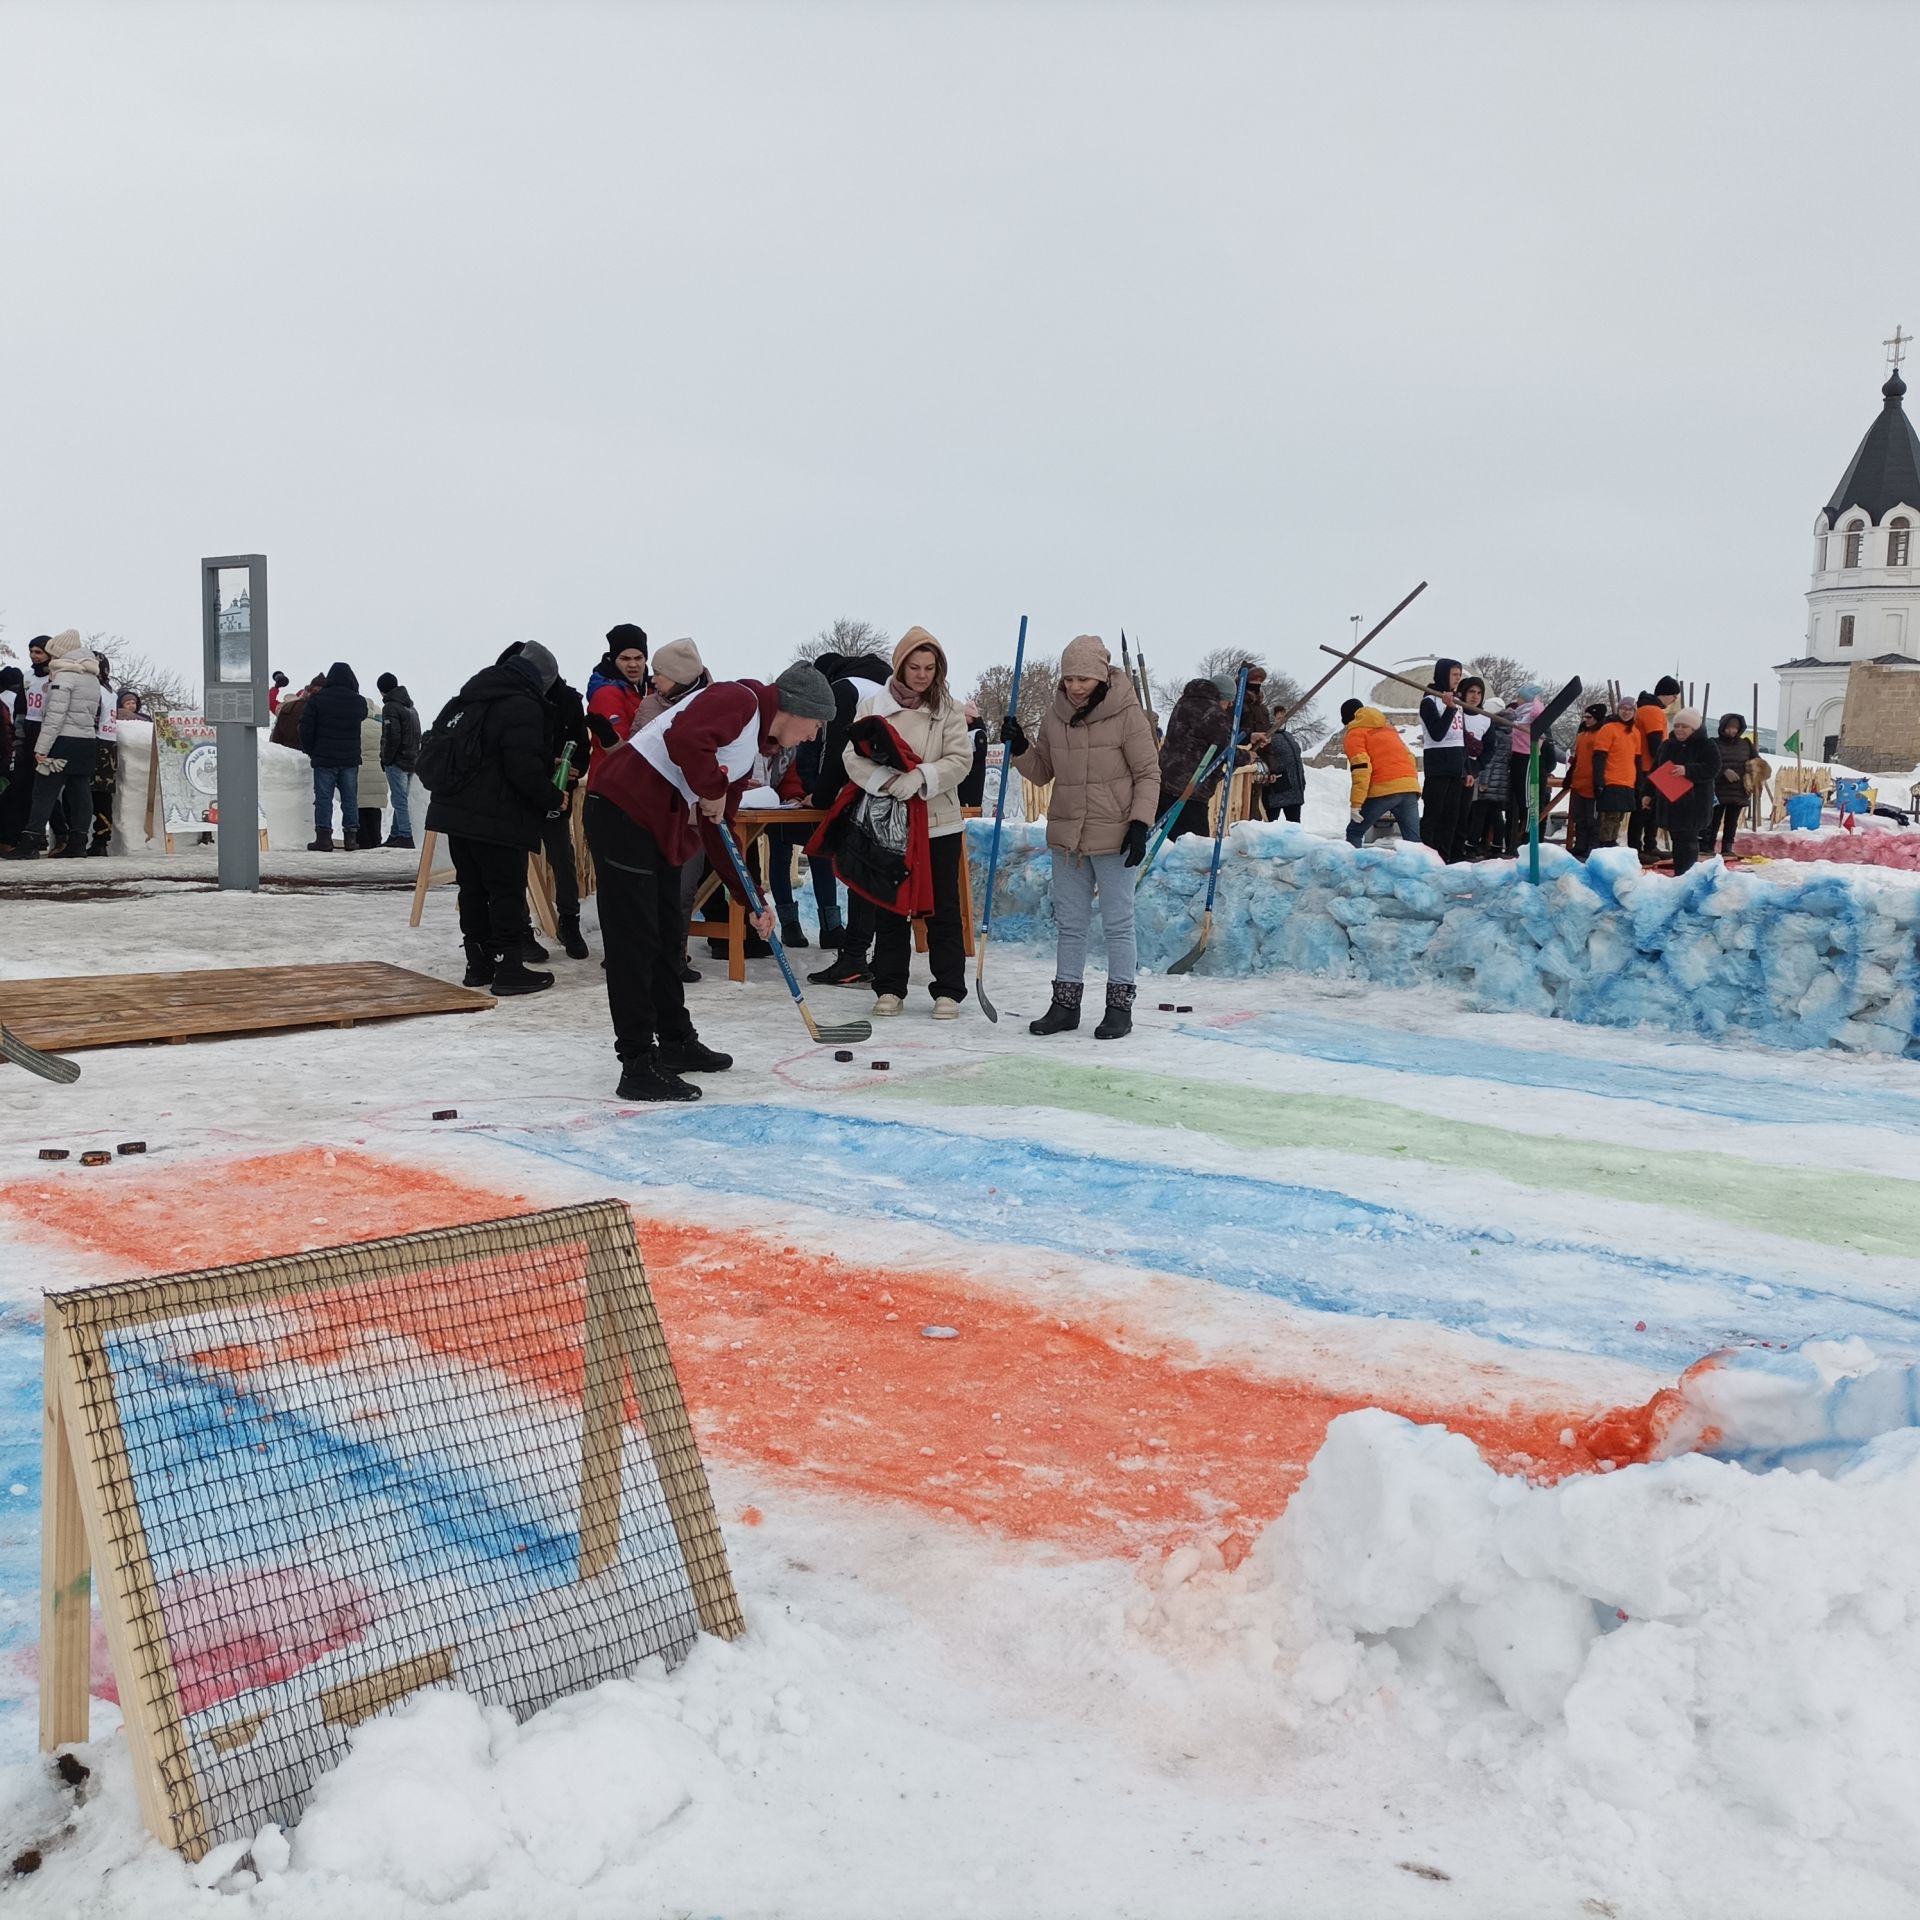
(921, 708)
(1097, 748)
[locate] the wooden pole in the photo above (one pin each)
(1498, 720)
(1282, 715)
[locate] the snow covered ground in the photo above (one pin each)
(1121, 1602)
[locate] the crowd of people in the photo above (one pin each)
(59, 722)
(1645, 770)
(362, 755)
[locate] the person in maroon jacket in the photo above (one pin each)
(652, 802)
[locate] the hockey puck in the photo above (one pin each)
(1183, 1009)
(131, 1146)
(446, 1113)
(99, 1157)
(55, 1153)
(1167, 1006)
(843, 1055)
(879, 1066)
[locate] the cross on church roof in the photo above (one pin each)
(1897, 346)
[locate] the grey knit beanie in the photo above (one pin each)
(1226, 684)
(803, 690)
(542, 662)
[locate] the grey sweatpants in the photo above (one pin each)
(1075, 876)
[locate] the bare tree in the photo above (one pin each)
(1502, 673)
(162, 688)
(1283, 691)
(847, 637)
(1038, 679)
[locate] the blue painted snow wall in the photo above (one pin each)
(1822, 956)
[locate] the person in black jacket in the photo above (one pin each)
(330, 737)
(492, 816)
(1690, 818)
(1443, 783)
(1730, 789)
(399, 753)
(851, 677)
(566, 727)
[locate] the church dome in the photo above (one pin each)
(1885, 471)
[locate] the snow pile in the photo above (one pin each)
(1871, 844)
(1821, 959)
(1684, 1640)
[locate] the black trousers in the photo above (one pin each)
(18, 798)
(1726, 823)
(1192, 818)
(1686, 845)
(1583, 823)
(643, 929)
(493, 893)
(1443, 803)
(556, 842)
(946, 938)
(75, 785)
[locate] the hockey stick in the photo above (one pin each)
(1185, 963)
(993, 846)
(49, 1066)
(843, 1035)
(1542, 727)
(1164, 826)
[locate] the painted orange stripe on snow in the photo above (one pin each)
(819, 1367)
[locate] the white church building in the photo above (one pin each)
(1864, 603)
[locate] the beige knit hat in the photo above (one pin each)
(679, 663)
(1086, 658)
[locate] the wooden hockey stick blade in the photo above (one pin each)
(1186, 961)
(49, 1066)
(980, 983)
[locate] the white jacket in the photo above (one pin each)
(946, 757)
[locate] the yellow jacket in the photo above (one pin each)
(1379, 760)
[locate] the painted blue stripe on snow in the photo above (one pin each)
(1310, 1246)
(1726, 1096)
(20, 1394)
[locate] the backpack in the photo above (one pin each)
(452, 749)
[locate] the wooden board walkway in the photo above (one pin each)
(120, 1009)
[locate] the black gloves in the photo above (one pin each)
(1136, 842)
(1013, 734)
(603, 730)
(873, 740)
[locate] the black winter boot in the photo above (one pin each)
(649, 1080)
(689, 1056)
(1117, 1023)
(571, 943)
(30, 846)
(793, 934)
(479, 965)
(530, 947)
(512, 975)
(1064, 1015)
(324, 844)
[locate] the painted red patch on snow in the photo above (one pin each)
(229, 1632)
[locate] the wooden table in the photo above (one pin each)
(749, 828)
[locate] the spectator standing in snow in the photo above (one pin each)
(1583, 783)
(616, 687)
(1443, 740)
(490, 800)
(371, 787)
(330, 718)
(919, 707)
(66, 748)
(1383, 781)
(29, 707)
(106, 762)
(1201, 718)
(850, 677)
(1284, 790)
(650, 803)
(13, 686)
(399, 754)
(285, 731)
(1742, 774)
(1096, 746)
(1650, 721)
(1617, 764)
(1483, 830)
(1689, 819)
(566, 727)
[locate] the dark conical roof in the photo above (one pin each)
(1885, 472)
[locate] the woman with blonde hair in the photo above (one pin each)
(909, 741)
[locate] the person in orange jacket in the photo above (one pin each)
(1616, 759)
(1583, 783)
(1384, 779)
(1650, 722)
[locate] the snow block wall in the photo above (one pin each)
(1815, 959)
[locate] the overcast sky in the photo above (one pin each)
(1219, 324)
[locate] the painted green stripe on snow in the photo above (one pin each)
(1871, 1214)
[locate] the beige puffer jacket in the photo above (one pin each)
(370, 789)
(73, 691)
(1105, 771)
(940, 739)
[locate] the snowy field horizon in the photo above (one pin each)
(1392, 1451)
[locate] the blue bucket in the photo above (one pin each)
(1803, 810)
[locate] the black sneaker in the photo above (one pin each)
(480, 966)
(689, 1056)
(689, 974)
(513, 975)
(571, 942)
(850, 970)
(649, 1080)
(531, 949)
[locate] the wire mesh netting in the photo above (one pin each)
(327, 1481)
